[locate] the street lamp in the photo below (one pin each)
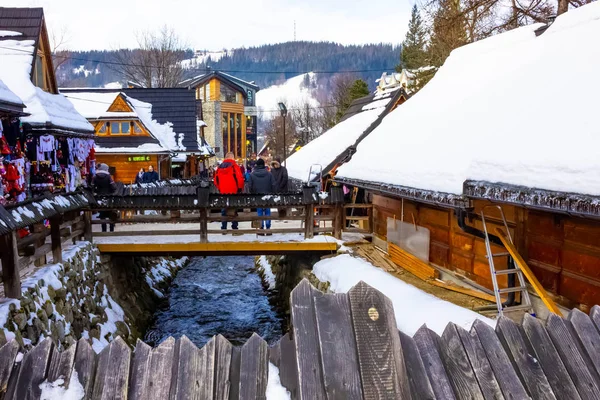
(283, 111)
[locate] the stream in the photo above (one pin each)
(216, 295)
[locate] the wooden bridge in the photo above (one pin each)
(341, 346)
(182, 212)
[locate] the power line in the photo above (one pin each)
(208, 69)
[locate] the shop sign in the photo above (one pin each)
(138, 158)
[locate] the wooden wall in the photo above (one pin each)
(563, 251)
(126, 170)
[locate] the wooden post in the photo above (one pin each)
(87, 229)
(338, 221)
(56, 239)
(371, 214)
(10, 265)
(309, 222)
(203, 225)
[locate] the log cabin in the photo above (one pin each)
(477, 136)
(139, 127)
(47, 146)
(229, 111)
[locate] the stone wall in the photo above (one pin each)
(87, 296)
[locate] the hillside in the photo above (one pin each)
(267, 65)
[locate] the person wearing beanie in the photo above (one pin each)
(103, 184)
(262, 182)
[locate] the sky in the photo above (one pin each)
(217, 25)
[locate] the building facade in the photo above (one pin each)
(229, 112)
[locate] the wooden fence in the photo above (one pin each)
(341, 346)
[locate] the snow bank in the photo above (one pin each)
(56, 390)
(45, 108)
(267, 271)
(412, 306)
(498, 110)
(275, 390)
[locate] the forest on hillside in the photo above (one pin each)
(266, 65)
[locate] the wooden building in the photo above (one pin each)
(478, 135)
(50, 148)
(229, 111)
(138, 127)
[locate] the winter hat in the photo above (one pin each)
(103, 167)
(260, 162)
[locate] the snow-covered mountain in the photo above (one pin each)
(294, 92)
(204, 56)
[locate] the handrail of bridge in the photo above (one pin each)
(55, 219)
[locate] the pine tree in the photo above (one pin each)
(413, 54)
(346, 96)
(448, 31)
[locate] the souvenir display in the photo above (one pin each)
(33, 164)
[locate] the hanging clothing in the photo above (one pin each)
(47, 143)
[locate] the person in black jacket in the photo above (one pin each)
(139, 177)
(150, 176)
(262, 182)
(280, 175)
(104, 184)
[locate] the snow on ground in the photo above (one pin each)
(159, 272)
(275, 390)
(324, 149)
(56, 390)
(203, 57)
(267, 271)
(412, 306)
(292, 92)
(500, 122)
(45, 108)
(114, 314)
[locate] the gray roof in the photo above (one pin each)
(28, 21)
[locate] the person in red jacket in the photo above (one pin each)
(229, 180)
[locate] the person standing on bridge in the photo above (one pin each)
(103, 184)
(229, 180)
(150, 176)
(262, 182)
(280, 174)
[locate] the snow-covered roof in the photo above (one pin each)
(45, 109)
(325, 149)
(141, 149)
(94, 105)
(7, 95)
(496, 112)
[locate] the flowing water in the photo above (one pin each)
(216, 295)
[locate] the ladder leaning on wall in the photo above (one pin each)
(521, 270)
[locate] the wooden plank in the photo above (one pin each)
(460, 289)
(254, 367)
(10, 265)
(576, 360)
(8, 353)
(537, 286)
(288, 372)
(87, 230)
(595, 316)
(275, 354)
(223, 352)
(588, 335)
(203, 226)
(546, 354)
(481, 366)
(382, 370)
(112, 375)
(341, 375)
(56, 239)
(161, 363)
(309, 222)
(308, 352)
(411, 263)
(420, 387)
(502, 366)
(139, 371)
(234, 374)
(61, 365)
(85, 365)
(250, 247)
(458, 367)
(522, 355)
(12, 382)
(427, 343)
(189, 371)
(33, 371)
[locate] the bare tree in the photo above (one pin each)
(157, 61)
(60, 55)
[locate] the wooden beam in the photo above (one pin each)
(55, 238)
(537, 286)
(87, 230)
(203, 226)
(10, 265)
(253, 247)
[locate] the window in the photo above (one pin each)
(224, 127)
(103, 128)
(207, 92)
(121, 127)
(228, 95)
(238, 135)
(137, 129)
(39, 72)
